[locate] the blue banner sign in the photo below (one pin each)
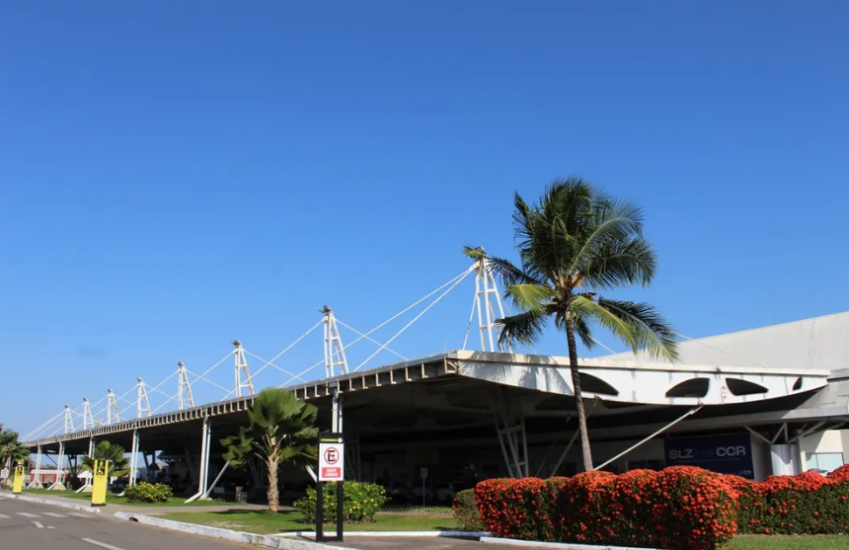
(725, 454)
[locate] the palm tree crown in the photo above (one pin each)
(573, 244)
(11, 450)
(119, 464)
(281, 430)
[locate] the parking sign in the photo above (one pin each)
(331, 460)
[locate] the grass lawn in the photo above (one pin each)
(775, 542)
(262, 522)
(114, 499)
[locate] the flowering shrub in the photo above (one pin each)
(516, 508)
(633, 516)
(148, 492)
(583, 508)
(694, 509)
(840, 474)
(681, 508)
(805, 504)
(362, 502)
(465, 509)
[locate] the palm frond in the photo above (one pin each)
(474, 252)
(512, 275)
(524, 327)
(618, 263)
(651, 332)
(613, 222)
(584, 308)
(530, 297)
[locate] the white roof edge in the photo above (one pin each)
(603, 362)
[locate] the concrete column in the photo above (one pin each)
(786, 459)
(204, 456)
(36, 482)
(134, 457)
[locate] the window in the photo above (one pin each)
(827, 462)
(655, 465)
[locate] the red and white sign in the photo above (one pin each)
(331, 462)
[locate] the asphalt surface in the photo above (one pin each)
(31, 526)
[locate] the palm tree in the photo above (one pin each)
(575, 242)
(118, 463)
(11, 450)
(282, 430)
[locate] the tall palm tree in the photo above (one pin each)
(118, 465)
(11, 450)
(282, 430)
(574, 243)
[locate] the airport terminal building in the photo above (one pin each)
(755, 403)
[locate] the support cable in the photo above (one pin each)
(386, 322)
(370, 339)
(208, 381)
(416, 318)
(290, 346)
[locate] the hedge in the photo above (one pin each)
(465, 508)
(807, 504)
(681, 508)
(362, 502)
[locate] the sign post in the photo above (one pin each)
(331, 467)
(98, 492)
(424, 486)
(18, 485)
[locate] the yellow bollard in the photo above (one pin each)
(98, 492)
(18, 485)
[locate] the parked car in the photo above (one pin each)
(399, 492)
(427, 490)
(445, 492)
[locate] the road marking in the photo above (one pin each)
(3, 516)
(28, 515)
(50, 527)
(54, 515)
(102, 544)
(86, 516)
(40, 526)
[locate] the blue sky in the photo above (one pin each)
(174, 175)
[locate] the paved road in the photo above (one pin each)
(30, 526)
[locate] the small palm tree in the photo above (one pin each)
(11, 450)
(282, 430)
(575, 242)
(118, 463)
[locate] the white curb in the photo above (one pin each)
(558, 545)
(268, 541)
(331, 530)
(71, 505)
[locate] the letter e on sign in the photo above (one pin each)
(331, 461)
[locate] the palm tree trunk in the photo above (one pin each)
(273, 496)
(586, 451)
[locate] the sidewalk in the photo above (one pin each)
(151, 510)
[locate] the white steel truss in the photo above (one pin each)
(88, 420)
(112, 413)
(335, 363)
(513, 440)
(184, 390)
(69, 420)
(487, 300)
(243, 372)
(142, 402)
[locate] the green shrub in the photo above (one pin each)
(147, 492)
(465, 509)
(362, 502)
